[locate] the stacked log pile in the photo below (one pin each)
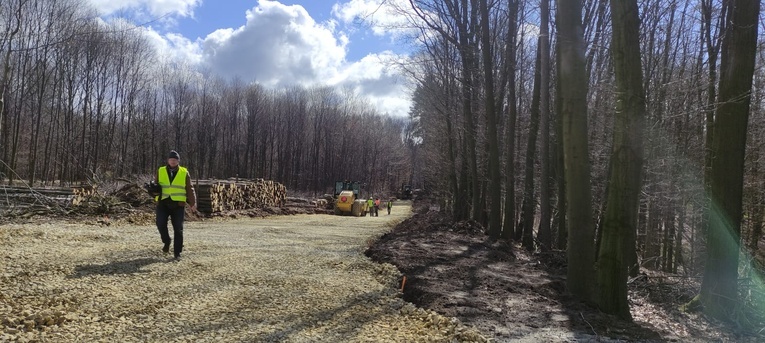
(213, 196)
(229, 195)
(27, 198)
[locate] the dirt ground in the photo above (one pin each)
(511, 295)
(299, 278)
(304, 278)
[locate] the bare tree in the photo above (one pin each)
(495, 177)
(10, 10)
(627, 162)
(573, 96)
(719, 289)
(512, 117)
(544, 233)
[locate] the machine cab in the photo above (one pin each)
(347, 186)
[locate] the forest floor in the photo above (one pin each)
(512, 295)
(79, 277)
(301, 278)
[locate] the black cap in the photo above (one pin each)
(174, 154)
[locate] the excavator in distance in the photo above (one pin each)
(348, 199)
(406, 192)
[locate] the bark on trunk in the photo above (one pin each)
(573, 97)
(621, 217)
(528, 208)
(544, 235)
(512, 110)
(719, 287)
(495, 177)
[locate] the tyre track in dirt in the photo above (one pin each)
(281, 279)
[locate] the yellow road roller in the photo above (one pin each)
(348, 200)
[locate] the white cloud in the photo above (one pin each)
(282, 45)
(384, 17)
(278, 45)
(377, 78)
(152, 8)
(175, 47)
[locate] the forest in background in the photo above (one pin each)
(87, 101)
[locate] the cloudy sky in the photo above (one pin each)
(280, 43)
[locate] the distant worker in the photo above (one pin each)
(389, 205)
(377, 207)
(177, 193)
(371, 206)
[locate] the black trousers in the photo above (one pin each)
(173, 211)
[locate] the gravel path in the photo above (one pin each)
(282, 279)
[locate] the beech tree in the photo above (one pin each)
(573, 97)
(719, 289)
(495, 176)
(544, 233)
(620, 222)
(508, 85)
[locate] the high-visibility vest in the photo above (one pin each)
(175, 190)
(370, 203)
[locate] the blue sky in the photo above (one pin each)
(210, 16)
(280, 43)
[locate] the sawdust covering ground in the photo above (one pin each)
(282, 279)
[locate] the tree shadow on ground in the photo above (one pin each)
(506, 293)
(300, 323)
(295, 323)
(124, 267)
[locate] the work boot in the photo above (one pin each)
(166, 248)
(177, 257)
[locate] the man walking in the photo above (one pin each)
(177, 192)
(377, 207)
(389, 205)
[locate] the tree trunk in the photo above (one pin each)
(544, 235)
(719, 287)
(562, 241)
(757, 224)
(528, 207)
(573, 98)
(4, 80)
(623, 198)
(679, 239)
(470, 183)
(512, 114)
(668, 249)
(452, 167)
(467, 51)
(712, 41)
(495, 177)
